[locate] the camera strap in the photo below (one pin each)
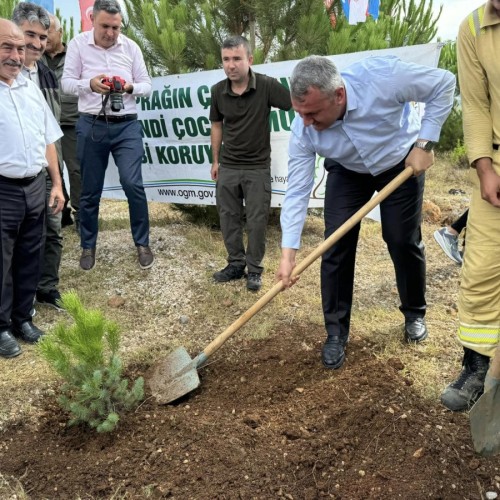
(102, 112)
(103, 107)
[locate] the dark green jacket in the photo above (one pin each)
(50, 89)
(69, 103)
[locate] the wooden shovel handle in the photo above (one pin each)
(304, 264)
(494, 369)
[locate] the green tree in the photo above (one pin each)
(85, 355)
(452, 135)
(448, 59)
(68, 28)
(7, 7)
(178, 36)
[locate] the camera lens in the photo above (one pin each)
(116, 101)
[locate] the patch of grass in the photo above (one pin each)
(177, 303)
(205, 215)
(206, 240)
(443, 177)
(11, 488)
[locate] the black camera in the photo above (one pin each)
(116, 87)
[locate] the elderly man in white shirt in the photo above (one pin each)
(107, 71)
(28, 130)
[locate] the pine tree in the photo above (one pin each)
(85, 355)
(186, 36)
(6, 8)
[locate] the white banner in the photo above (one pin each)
(176, 129)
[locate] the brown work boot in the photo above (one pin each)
(146, 257)
(87, 259)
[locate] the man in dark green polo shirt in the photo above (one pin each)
(241, 149)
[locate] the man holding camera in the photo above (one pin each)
(107, 71)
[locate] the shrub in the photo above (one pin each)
(452, 130)
(205, 215)
(459, 156)
(85, 355)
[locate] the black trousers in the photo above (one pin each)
(461, 222)
(22, 233)
(346, 192)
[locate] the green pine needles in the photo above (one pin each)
(85, 355)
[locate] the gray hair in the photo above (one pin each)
(109, 6)
(236, 41)
(31, 12)
(56, 22)
(314, 71)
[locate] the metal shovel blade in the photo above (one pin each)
(485, 423)
(173, 377)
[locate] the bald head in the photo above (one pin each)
(54, 39)
(12, 51)
(7, 26)
(55, 24)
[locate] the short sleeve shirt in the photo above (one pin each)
(27, 126)
(246, 129)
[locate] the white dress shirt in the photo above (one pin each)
(85, 60)
(27, 126)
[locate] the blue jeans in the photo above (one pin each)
(95, 141)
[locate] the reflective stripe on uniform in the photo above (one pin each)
(479, 334)
(475, 20)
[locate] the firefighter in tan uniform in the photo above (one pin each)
(478, 46)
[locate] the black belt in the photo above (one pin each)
(112, 118)
(21, 181)
(495, 147)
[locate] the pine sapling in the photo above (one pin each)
(85, 355)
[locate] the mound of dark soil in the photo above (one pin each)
(267, 422)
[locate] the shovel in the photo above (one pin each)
(485, 414)
(176, 375)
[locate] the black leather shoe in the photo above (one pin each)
(9, 348)
(28, 332)
(415, 330)
(333, 354)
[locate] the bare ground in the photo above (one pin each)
(267, 421)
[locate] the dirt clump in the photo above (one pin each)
(431, 212)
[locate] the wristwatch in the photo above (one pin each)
(425, 145)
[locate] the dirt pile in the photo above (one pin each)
(267, 422)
